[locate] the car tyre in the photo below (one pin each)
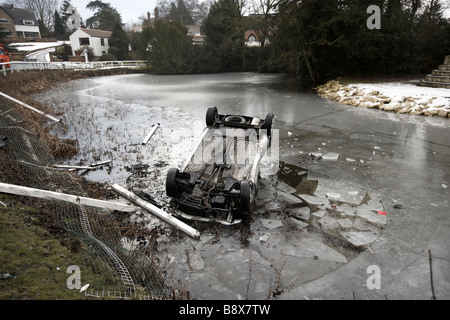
(171, 184)
(211, 115)
(245, 196)
(267, 125)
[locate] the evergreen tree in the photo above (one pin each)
(104, 18)
(224, 30)
(118, 42)
(59, 29)
(168, 47)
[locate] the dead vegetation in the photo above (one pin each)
(21, 85)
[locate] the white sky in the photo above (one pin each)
(130, 10)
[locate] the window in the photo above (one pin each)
(7, 33)
(102, 41)
(5, 21)
(30, 34)
(84, 42)
(28, 22)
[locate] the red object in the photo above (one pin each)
(382, 213)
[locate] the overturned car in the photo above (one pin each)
(218, 182)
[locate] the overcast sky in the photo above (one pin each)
(130, 10)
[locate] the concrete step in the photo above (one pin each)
(441, 73)
(432, 78)
(447, 60)
(444, 67)
(433, 84)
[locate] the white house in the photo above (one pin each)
(95, 39)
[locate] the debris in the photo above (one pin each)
(84, 288)
(50, 195)
(156, 211)
(147, 138)
(30, 107)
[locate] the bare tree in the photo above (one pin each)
(43, 9)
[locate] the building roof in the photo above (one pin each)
(20, 14)
(97, 33)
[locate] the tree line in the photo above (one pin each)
(316, 40)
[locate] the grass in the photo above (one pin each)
(34, 256)
(33, 261)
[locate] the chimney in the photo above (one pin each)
(148, 16)
(156, 13)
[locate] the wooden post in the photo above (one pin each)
(157, 211)
(50, 195)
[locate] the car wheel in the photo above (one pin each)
(211, 115)
(245, 196)
(171, 184)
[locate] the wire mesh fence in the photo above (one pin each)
(114, 271)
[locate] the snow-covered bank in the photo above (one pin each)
(397, 97)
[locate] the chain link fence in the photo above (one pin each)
(115, 272)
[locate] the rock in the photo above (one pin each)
(443, 113)
(431, 112)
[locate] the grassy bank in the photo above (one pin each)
(34, 253)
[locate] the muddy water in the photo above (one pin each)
(304, 225)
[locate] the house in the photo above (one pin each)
(252, 38)
(84, 38)
(20, 24)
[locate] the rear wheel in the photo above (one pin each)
(171, 184)
(211, 115)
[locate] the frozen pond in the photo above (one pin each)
(322, 209)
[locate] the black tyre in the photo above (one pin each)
(267, 125)
(235, 119)
(268, 122)
(211, 115)
(245, 196)
(171, 184)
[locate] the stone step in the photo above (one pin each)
(432, 78)
(433, 84)
(444, 67)
(442, 73)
